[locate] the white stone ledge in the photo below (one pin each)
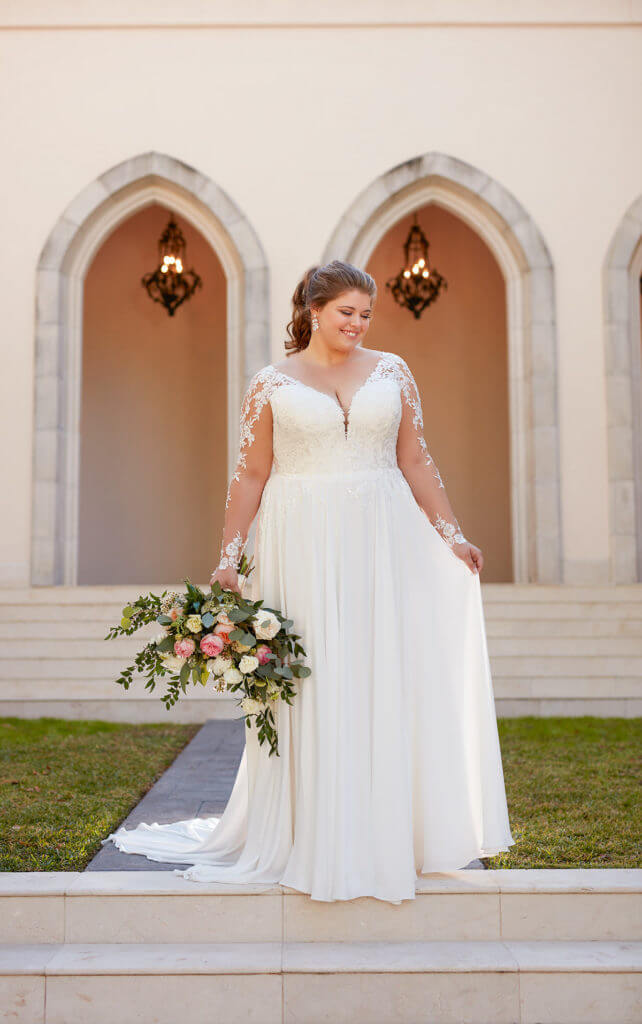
(162, 883)
(320, 958)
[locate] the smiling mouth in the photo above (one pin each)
(350, 334)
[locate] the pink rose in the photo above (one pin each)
(174, 613)
(183, 648)
(222, 629)
(263, 654)
(211, 645)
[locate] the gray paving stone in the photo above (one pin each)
(197, 785)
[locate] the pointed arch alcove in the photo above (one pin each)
(517, 244)
(77, 236)
(622, 342)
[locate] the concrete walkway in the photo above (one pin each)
(197, 785)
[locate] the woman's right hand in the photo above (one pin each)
(228, 579)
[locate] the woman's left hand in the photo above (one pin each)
(471, 555)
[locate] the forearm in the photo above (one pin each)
(243, 500)
(430, 494)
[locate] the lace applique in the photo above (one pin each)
(258, 393)
(396, 366)
(449, 531)
(237, 517)
(233, 550)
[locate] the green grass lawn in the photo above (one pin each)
(65, 785)
(573, 792)
(572, 785)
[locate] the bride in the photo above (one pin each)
(390, 765)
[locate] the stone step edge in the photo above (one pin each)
(86, 595)
(533, 881)
(374, 957)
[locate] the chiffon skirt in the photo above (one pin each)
(389, 761)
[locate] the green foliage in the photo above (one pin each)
(280, 670)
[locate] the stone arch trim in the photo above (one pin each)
(622, 271)
(525, 260)
(79, 232)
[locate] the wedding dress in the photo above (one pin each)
(389, 761)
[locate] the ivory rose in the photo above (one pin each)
(232, 676)
(248, 664)
(217, 666)
(251, 706)
(270, 627)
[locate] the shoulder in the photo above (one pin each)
(395, 360)
(262, 376)
(393, 357)
(281, 366)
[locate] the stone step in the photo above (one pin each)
(100, 617)
(64, 686)
(562, 666)
(189, 709)
(553, 650)
(98, 649)
(153, 906)
(441, 982)
(119, 594)
(581, 629)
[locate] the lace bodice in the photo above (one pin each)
(312, 434)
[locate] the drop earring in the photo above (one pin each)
(315, 322)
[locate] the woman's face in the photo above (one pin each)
(343, 321)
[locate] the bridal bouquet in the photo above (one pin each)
(245, 648)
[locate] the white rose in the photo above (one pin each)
(265, 625)
(232, 676)
(248, 663)
(194, 623)
(172, 662)
(251, 706)
(217, 666)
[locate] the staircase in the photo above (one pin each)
(554, 650)
(492, 947)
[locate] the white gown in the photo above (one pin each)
(389, 764)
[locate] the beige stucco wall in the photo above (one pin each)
(293, 120)
(154, 414)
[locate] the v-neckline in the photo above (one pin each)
(335, 399)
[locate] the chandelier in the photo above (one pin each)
(417, 284)
(170, 284)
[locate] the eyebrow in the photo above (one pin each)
(347, 306)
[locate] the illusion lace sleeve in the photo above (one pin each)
(417, 464)
(252, 468)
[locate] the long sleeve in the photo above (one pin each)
(252, 469)
(418, 466)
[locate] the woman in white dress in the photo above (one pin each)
(389, 762)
